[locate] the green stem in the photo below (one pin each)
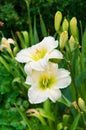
(29, 22)
(51, 125)
(47, 108)
(83, 119)
(73, 83)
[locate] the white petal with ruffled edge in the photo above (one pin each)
(36, 95)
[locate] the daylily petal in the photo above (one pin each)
(54, 94)
(22, 56)
(55, 54)
(37, 96)
(49, 42)
(62, 73)
(39, 66)
(10, 41)
(32, 78)
(63, 82)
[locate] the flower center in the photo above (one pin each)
(39, 54)
(46, 81)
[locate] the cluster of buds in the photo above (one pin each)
(67, 31)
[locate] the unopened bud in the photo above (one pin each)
(63, 39)
(81, 104)
(15, 50)
(58, 19)
(65, 25)
(72, 43)
(73, 27)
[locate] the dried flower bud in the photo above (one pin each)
(5, 43)
(1, 24)
(58, 19)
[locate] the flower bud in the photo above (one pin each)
(15, 50)
(72, 43)
(73, 27)
(63, 39)
(65, 25)
(81, 104)
(58, 19)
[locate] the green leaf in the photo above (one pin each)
(26, 37)
(43, 27)
(36, 38)
(55, 60)
(75, 122)
(65, 119)
(21, 39)
(81, 83)
(84, 50)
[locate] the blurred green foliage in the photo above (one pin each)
(14, 13)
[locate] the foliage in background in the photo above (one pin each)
(16, 11)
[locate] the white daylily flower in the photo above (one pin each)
(38, 55)
(5, 43)
(47, 84)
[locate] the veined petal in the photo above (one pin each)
(23, 56)
(55, 54)
(36, 95)
(54, 94)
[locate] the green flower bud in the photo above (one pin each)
(81, 104)
(65, 25)
(58, 19)
(73, 27)
(15, 50)
(63, 39)
(72, 43)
